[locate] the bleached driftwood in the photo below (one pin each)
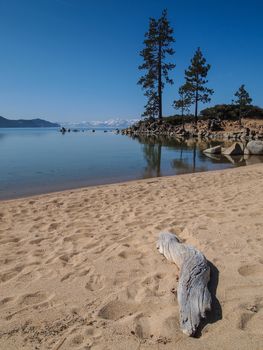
(193, 296)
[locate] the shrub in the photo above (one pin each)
(231, 112)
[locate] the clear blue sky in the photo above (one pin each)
(74, 60)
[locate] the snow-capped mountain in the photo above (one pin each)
(109, 124)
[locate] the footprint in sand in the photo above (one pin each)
(77, 340)
(244, 319)
(32, 298)
(53, 226)
(128, 253)
(251, 317)
(132, 291)
(95, 283)
(120, 277)
(251, 270)
(10, 240)
(5, 301)
(85, 337)
(93, 332)
(8, 275)
(142, 327)
(66, 276)
(37, 300)
(150, 286)
(30, 274)
(37, 240)
(170, 324)
(116, 309)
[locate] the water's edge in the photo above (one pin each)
(35, 162)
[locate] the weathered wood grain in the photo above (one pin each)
(193, 296)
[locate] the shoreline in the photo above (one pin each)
(233, 164)
(80, 268)
(124, 182)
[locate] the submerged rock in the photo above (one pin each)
(216, 157)
(213, 150)
(236, 159)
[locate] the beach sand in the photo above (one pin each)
(80, 269)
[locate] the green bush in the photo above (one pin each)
(231, 112)
(178, 119)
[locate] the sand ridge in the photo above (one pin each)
(79, 269)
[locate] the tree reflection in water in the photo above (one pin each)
(188, 150)
(152, 150)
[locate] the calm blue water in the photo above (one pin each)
(43, 160)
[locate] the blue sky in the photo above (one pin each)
(75, 60)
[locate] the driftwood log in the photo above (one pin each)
(193, 296)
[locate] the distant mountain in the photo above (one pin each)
(23, 123)
(108, 124)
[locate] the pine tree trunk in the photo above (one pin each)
(160, 81)
(196, 104)
(183, 117)
(240, 116)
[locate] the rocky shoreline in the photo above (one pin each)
(253, 147)
(251, 129)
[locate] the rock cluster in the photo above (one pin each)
(204, 129)
(238, 148)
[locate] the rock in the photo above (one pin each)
(181, 131)
(213, 150)
(246, 131)
(214, 125)
(235, 150)
(254, 147)
(216, 157)
(235, 159)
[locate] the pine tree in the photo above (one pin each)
(151, 108)
(242, 100)
(158, 41)
(196, 81)
(184, 102)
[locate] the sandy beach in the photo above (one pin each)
(80, 269)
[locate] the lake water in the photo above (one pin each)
(38, 160)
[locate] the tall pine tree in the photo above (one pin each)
(196, 80)
(242, 100)
(158, 45)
